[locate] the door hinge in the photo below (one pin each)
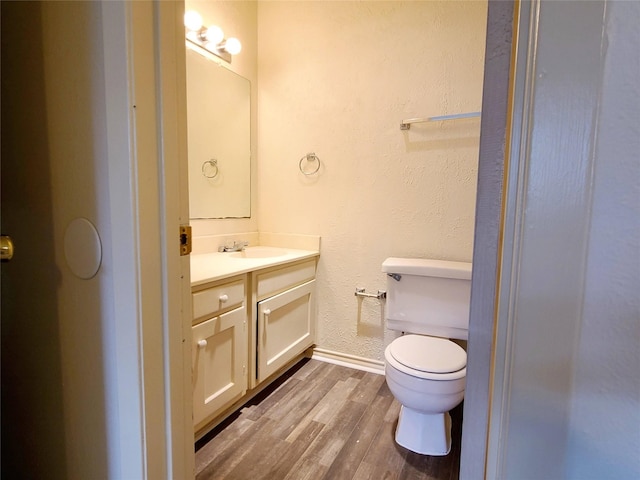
(185, 240)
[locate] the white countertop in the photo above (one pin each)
(209, 267)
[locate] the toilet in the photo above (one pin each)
(428, 301)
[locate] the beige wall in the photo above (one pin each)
(336, 78)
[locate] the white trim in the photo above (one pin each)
(542, 272)
(149, 415)
(124, 372)
(176, 294)
(143, 78)
(522, 106)
(496, 111)
(346, 360)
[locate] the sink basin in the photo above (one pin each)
(260, 252)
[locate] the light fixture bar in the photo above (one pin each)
(211, 38)
(224, 55)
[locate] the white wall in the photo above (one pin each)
(336, 78)
(566, 391)
(604, 425)
(77, 403)
(56, 326)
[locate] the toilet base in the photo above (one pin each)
(424, 433)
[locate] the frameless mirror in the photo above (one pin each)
(219, 139)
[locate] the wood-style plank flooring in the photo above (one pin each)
(320, 421)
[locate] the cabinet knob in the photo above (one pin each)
(224, 298)
(202, 343)
(267, 311)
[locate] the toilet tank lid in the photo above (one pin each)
(427, 267)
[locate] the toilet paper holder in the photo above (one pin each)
(381, 295)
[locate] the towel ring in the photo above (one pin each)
(309, 157)
(210, 168)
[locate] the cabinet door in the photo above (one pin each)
(219, 363)
(286, 327)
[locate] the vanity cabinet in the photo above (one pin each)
(285, 315)
(247, 328)
(219, 349)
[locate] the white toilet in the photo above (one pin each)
(427, 300)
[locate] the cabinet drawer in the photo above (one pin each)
(276, 281)
(215, 299)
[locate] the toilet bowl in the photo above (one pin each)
(428, 302)
(427, 377)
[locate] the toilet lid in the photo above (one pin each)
(428, 354)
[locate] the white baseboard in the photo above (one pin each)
(346, 360)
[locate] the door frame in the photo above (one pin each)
(165, 398)
(497, 113)
(177, 292)
(146, 135)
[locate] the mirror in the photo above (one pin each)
(219, 139)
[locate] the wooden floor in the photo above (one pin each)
(321, 421)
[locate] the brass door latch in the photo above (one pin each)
(6, 248)
(185, 240)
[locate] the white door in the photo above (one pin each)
(30, 314)
(92, 333)
(219, 363)
(286, 327)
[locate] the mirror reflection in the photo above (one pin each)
(219, 139)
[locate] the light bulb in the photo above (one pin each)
(233, 46)
(193, 20)
(214, 35)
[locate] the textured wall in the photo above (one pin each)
(336, 78)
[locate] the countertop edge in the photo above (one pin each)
(253, 266)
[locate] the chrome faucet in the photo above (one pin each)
(235, 247)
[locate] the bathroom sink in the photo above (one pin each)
(260, 252)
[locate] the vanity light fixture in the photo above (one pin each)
(210, 38)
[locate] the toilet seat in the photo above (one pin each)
(427, 357)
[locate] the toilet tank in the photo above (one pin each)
(429, 297)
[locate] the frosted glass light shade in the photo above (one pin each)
(192, 20)
(214, 35)
(233, 46)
